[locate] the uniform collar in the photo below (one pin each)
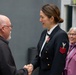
(50, 31)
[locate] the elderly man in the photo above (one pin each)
(7, 64)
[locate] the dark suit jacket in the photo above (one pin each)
(7, 64)
(52, 60)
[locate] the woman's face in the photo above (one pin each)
(72, 36)
(46, 22)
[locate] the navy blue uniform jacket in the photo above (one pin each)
(52, 60)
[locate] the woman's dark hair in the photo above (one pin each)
(52, 10)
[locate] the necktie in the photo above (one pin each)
(47, 34)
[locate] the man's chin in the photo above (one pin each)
(9, 38)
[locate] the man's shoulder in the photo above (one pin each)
(2, 42)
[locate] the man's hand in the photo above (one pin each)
(29, 67)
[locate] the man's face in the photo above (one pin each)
(7, 29)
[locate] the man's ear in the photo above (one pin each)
(1, 27)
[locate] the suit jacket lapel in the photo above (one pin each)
(54, 31)
(51, 35)
(42, 39)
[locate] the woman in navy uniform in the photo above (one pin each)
(53, 44)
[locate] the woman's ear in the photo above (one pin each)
(52, 19)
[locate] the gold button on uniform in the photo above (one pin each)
(47, 58)
(46, 52)
(48, 64)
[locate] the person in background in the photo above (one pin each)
(53, 44)
(7, 64)
(70, 67)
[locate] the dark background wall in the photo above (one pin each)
(24, 15)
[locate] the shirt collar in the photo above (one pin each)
(74, 44)
(50, 31)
